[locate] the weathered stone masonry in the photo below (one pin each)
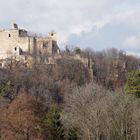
(18, 44)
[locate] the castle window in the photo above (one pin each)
(15, 48)
(51, 34)
(9, 35)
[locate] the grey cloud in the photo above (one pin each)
(118, 36)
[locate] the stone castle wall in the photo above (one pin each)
(11, 40)
(17, 44)
(16, 41)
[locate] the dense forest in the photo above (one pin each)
(70, 101)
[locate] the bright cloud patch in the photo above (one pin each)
(133, 43)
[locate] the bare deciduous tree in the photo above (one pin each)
(22, 120)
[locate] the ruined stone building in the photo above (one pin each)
(16, 43)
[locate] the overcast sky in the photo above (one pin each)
(98, 24)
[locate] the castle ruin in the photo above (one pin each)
(16, 43)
